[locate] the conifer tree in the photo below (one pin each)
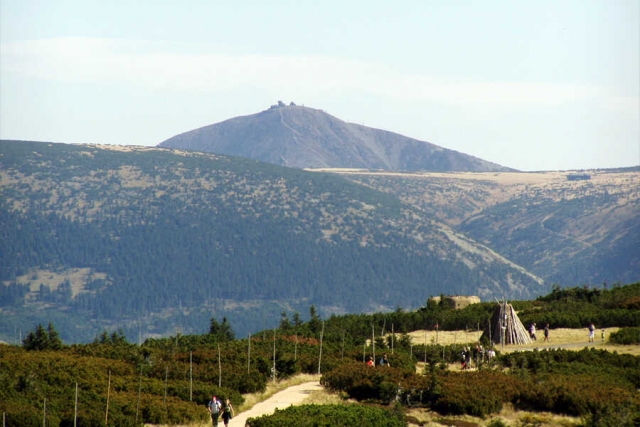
(41, 339)
(222, 331)
(53, 339)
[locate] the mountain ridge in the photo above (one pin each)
(152, 239)
(175, 236)
(304, 137)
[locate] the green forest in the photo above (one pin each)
(169, 380)
(171, 240)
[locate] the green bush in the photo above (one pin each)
(626, 336)
(497, 422)
(478, 393)
(351, 415)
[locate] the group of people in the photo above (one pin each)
(532, 332)
(216, 407)
(384, 361)
(592, 332)
(477, 354)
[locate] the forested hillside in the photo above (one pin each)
(568, 232)
(153, 240)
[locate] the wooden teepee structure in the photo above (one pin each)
(505, 327)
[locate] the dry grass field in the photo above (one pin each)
(508, 416)
(573, 339)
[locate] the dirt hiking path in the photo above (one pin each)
(293, 395)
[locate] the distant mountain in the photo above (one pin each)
(153, 240)
(303, 137)
(569, 231)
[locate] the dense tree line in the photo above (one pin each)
(41, 339)
(189, 232)
(192, 230)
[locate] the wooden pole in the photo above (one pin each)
(320, 356)
(75, 409)
(106, 412)
(273, 369)
(219, 368)
(425, 346)
(249, 354)
(44, 413)
(503, 325)
(139, 392)
(191, 376)
(393, 335)
(373, 343)
(166, 381)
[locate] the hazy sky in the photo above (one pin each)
(533, 85)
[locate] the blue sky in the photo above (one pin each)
(533, 85)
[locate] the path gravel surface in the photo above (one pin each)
(293, 395)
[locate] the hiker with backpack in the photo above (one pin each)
(227, 412)
(384, 361)
(214, 407)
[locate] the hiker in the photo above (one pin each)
(227, 412)
(463, 356)
(369, 361)
(546, 333)
(474, 352)
(384, 361)
(491, 353)
(532, 331)
(592, 332)
(602, 335)
(478, 354)
(467, 361)
(214, 409)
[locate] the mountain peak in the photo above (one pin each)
(304, 137)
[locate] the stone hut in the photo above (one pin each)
(457, 302)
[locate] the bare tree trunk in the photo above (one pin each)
(320, 356)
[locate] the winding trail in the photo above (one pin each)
(293, 395)
(566, 236)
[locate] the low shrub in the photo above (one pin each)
(478, 393)
(626, 336)
(330, 415)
